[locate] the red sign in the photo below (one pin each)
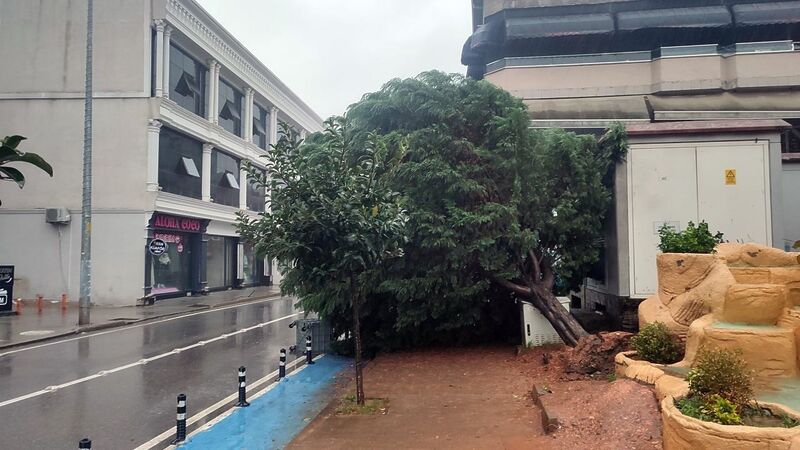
(177, 223)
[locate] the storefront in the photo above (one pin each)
(221, 262)
(175, 256)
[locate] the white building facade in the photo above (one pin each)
(179, 106)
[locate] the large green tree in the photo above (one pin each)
(491, 202)
(9, 153)
(332, 220)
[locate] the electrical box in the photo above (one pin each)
(536, 329)
(56, 215)
(320, 332)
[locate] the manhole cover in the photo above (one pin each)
(36, 332)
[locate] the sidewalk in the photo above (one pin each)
(473, 398)
(31, 326)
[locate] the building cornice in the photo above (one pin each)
(186, 206)
(192, 20)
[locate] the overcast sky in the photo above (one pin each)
(331, 52)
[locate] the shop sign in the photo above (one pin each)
(157, 247)
(6, 288)
(186, 224)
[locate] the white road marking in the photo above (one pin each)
(140, 325)
(229, 399)
(139, 362)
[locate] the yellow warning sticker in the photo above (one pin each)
(730, 176)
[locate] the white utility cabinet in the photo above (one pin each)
(726, 184)
(536, 329)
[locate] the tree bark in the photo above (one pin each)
(543, 300)
(356, 304)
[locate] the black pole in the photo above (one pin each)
(282, 365)
(309, 356)
(180, 426)
(85, 443)
(242, 386)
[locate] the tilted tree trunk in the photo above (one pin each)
(356, 301)
(538, 289)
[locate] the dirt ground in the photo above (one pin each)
(479, 398)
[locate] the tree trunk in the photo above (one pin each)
(543, 300)
(356, 304)
(561, 319)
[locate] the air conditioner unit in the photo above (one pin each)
(56, 215)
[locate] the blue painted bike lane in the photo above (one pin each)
(276, 417)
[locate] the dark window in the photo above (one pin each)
(224, 179)
(260, 126)
(230, 108)
(187, 81)
(790, 139)
(255, 195)
(180, 160)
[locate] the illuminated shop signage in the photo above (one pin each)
(185, 224)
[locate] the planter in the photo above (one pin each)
(654, 374)
(687, 433)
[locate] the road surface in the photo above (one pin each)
(118, 387)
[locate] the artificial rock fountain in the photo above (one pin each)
(744, 297)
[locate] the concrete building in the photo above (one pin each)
(179, 105)
(706, 87)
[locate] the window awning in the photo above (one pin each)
(230, 111)
(699, 17)
(553, 26)
(188, 167)
(230, 180)
(187, 86)
(767, 13)
(258, 127)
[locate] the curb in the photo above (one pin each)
(549, 419)
(122, 323)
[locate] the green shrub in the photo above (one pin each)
(721, 372)
(713, 409)
(694, 239)
(655, 344)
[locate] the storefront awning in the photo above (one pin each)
(767, 13)
(699, 17)
(553, 26)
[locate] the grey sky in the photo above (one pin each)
(332, 52)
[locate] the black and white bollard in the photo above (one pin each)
(309, 355)
(180, 427)
(282, 365)
(242, 385)
(85, 443)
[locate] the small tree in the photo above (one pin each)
(10, 154)
(331, 221)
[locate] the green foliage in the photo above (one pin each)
(10, 154)
(331, 219)
(485, 196)
(721, 372)
(654, 343)
(712, 409)
(694, 239)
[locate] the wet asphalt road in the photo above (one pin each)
(135, 401)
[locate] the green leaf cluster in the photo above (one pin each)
(654, 343)
(712, 409)
(721, 372)
(694, 239)
(10, 154)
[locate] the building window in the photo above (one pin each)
(224, 179)
(187, 81)
(260, 126)
(221, 262)
(790, 139)
(180, 160)
(255, 195)
(230, 108)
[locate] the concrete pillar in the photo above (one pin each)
(165, 62)
(240, 261)
(248, 114)
(273, 126)
(242, 187)
(211, 90)
(153, 132)
(205, 181)
(159, 59)
(302, 134)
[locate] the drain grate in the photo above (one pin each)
(125, 319)
(198, 305)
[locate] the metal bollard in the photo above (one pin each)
(282, 365)
(309, 356)
(180, 427)
(63, 302)
(242, 385)
(85, 443)
(39, 303)
(19, 305)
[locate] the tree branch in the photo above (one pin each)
(513, 287)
